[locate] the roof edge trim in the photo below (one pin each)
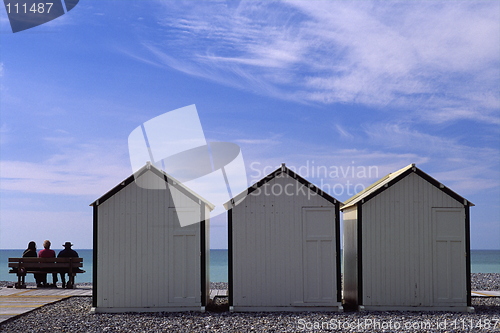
(282, 169)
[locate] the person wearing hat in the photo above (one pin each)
(68, 252)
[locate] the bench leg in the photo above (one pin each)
(71, 281)
(20, 282)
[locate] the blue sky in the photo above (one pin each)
(315, 84)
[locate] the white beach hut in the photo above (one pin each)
(143, 259)
(284, 246)
(406, 245)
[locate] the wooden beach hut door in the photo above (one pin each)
(449, 255)
(184, 266)
(318, 225)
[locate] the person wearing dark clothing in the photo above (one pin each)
(68, 252)
(31, 252)
(48, 253)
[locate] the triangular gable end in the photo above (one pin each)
(392, 178)
(162, 175)
(283, 169)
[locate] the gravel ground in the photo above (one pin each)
(485, 281)
(73, 315)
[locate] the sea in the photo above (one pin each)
(482, 261)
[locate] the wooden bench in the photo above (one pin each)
(23, 266)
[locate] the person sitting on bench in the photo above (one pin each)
(31, 252)
(68, 252)
(48, 253)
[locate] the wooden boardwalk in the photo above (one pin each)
(218, 293)
(485, 293)
(14, 302)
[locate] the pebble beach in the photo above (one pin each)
(73, 315)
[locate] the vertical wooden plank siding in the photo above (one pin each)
(230, 255)
(267, 245)
(467, 248)
(95, 248)
(135, 239)
(205, 255)
(398, 249)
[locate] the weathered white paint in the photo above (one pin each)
(284, 249)
(319, 245)
(145, 260)
(412, 246)
(449, 248)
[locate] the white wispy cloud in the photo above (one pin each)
(271, 139)
(439, 59)
(77, 170)
(343, 132)
(382, 148)
(257, 141)
(465, 168)
(446, 114)
(341, 172)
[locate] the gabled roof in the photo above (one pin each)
(161, 174)
(391, 179)
(283, 169)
